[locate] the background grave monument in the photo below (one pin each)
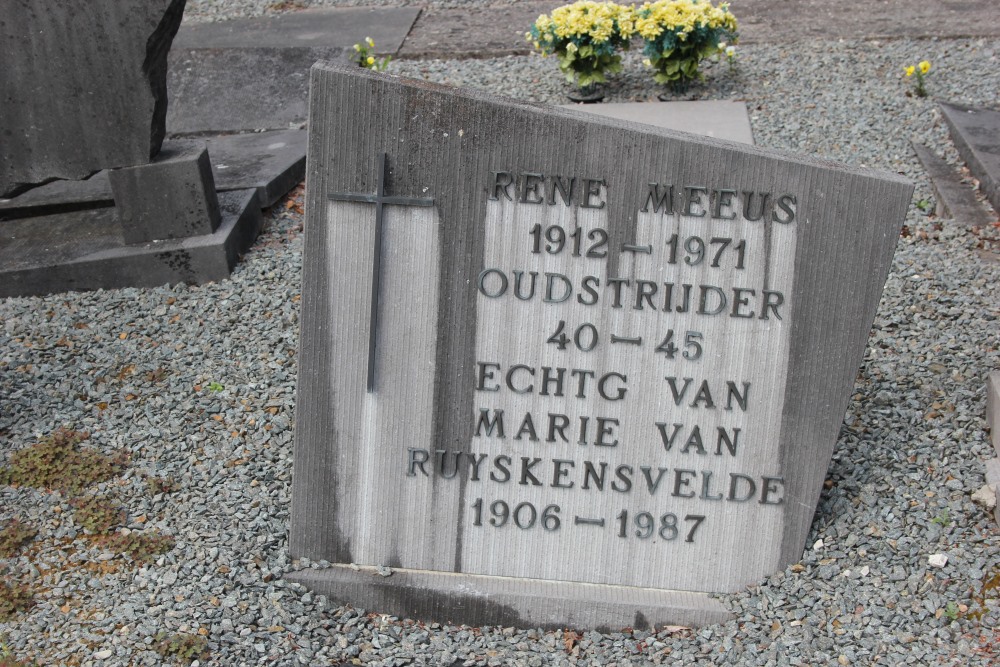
(598, 378)
(98, 198)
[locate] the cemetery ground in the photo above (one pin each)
(154, 527)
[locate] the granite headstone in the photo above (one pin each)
(558, 370)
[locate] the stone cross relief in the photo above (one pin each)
(380, 199)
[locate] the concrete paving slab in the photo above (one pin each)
(339, 28)
(270, 162)
(976, 133)
(85, 250)
(955, 199)
(253, 74)
(218, 91)
(721, 119)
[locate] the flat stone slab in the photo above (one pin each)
(339, 28)
(85, 250)
(955, 199)
(252, 74)
(526, 603)
(270, 162)
(976, 133)
(238, 90)
(720, 119)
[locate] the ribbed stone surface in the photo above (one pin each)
(455, 431)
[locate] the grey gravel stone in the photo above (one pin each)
(141, 370)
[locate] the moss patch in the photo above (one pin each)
(14, 597)
(13, 536)
(58, 463)
(181, 648)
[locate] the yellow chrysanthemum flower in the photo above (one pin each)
(924, 66)
(370, 60)
(910, 70)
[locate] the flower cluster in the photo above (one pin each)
(586, 36)
(679, 34)
(922, 68)
(364, 56)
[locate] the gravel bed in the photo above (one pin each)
(197, 384)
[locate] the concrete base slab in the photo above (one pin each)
(85, 250)
(270, 162)
(527, 603)
(955, 199)
(721, 119)
(976, 133)
(60, 197)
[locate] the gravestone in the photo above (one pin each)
(99, 198)
(559, 370)
(83, 86)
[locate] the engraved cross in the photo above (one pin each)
(379, 199)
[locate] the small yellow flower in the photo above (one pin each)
(357, 47)
(370, 60)
(924, 66)
(910, 70)
(370, 41)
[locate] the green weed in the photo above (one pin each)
(13, 536)
(13, 598)
(181, 648)
(140, 547)
(58, 463)
(97, 514)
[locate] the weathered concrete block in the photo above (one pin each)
(173, 198)
(82, 86)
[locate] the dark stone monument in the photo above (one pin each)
(83, 86)
(98, 204)
(558, 370)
